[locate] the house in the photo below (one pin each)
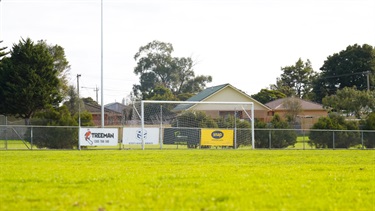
(226, 93)
(125, 110)
(118, 107)
(111, 117)
(308, 115)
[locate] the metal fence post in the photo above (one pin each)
(6, 136)
(303, 138)
(269, 139)
(161, 127)
(363, 146)
(31, 138)
(333, 139)
(235, 129)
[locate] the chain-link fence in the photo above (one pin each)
(60, 137)
(314, 139)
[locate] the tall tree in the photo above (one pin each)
(60, 64)
(162, 93)
(351, 101)
(348, 68)
(28, 80)
(282, 88)
(89, 100)
(265, 95)
(76, 107)
(298, 77)
(73, 101)
(157, 67)
(2, 53)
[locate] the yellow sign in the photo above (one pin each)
(216, 137)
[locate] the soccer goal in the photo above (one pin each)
(191, 124)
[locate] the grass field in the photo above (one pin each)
(187, 180)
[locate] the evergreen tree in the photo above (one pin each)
(28, 80)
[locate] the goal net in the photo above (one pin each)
(190, 124)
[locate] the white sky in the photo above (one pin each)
(241, 42)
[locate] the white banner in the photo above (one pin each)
(98, 136)
(133, 135)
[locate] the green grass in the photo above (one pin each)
(187, 180)
(14, 144)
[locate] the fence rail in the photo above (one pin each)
(17, 137)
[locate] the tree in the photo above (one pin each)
(265, 95)
(89, 100)
(298, 77)
(162, 93)
(184, 96)
(283, 88)
(243, 129)
(279, 138)
(54, 137)
(2, 53)
(194, 120)
(28, 80)
(348, 68)
(157, 67)
(60, 64)
(293, 108)
(74, 104)
(369, 137)
(351, 101)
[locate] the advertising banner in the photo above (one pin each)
(134, 135)
(98, 136)
(216, 137)
(181, 135)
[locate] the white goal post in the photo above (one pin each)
(181, 119)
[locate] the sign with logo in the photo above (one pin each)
(134, 135)
(176, 135)
(98, 136)
(216, 137)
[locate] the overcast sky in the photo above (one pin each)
(241, 42)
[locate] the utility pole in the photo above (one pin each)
(79, 109)
(101, 55)
(96, 89)
(79, 102)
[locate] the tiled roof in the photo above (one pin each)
(306, 105)
(97, 109)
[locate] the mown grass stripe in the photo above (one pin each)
(187, 180)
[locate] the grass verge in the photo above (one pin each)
(187, 180)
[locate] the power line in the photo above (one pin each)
(347, 74)
(96, 89)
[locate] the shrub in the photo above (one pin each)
(369, 138)
(54, 137)
(194, 119)
(279, 138)
(344, 138)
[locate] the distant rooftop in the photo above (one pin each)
(306, 105)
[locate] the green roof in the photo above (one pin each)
(200, 96)
(206, 93)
